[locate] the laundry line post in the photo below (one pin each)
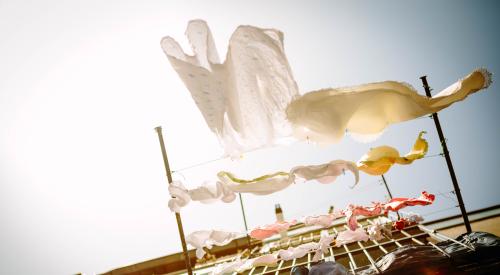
(448, 159)
(388, 192)
(244, 218)
(177, 215)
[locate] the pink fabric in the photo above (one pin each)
(322, 220)
(354, 210)
(378, 208)
(267, 231)
(398, 203)
(349, 236)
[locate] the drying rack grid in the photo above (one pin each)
(354, 256)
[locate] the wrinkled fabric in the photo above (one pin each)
(242, 100)
(355, 210)
(328, 268)
(263, 185)
(267, 184)
(397, 203)
(179, 196)
(323, 245)
(380, 159)
(380, 227)
(209, 238)
(298, 251)
(268, 230)
(350, 236)
(325, 173)
(378, 208)
(319, 248)
(366, 110)
(206, 193)
(239, 265)
(322, 220)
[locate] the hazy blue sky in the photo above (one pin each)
(82, 185)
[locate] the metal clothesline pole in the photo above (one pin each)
(244, 217)
(448, 159)
(177, 215)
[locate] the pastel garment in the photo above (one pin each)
(319, 248)
(266, 231)
(350, 236)
(325, 173)
(322, 220)
(380, 159)
(263, 185)
(206, 193)
(366, 110)
(242, 100)
(267, 184)
(239, 265)
(209, 238)
(380, 227)
(355, 210)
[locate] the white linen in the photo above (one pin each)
(209, 238)
(243, 100)
(206, 193)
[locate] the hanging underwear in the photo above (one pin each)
(380, 159)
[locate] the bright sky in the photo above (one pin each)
(84, 83)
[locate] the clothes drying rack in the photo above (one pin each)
(352, 263)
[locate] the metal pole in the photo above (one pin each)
(389, 192)
(177, 215)
(243, 212)
(244, 218)
(448, 160)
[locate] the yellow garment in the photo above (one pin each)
(364, 111)
(380, 159)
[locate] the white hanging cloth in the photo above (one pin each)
(209, 238)
(243, 100)
(366, 110)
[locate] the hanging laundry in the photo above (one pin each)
(297, 252)
(263, 185)
(397, 203)
(266, 231)
(180, 196)
(242, 100)
(206, 193)
(394, 205)
(366, 110)
(355, 210)
(325, 173)
(267, 184)
(380, 227)
(322, 220)
(350, 236)
(239, 265)
(380, 159)
(323, 245)
(209, 238)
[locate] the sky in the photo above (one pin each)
(84, 83)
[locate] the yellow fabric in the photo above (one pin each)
(364, 111)
(380, 159)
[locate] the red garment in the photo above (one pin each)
(398, 203)
(392, 205)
